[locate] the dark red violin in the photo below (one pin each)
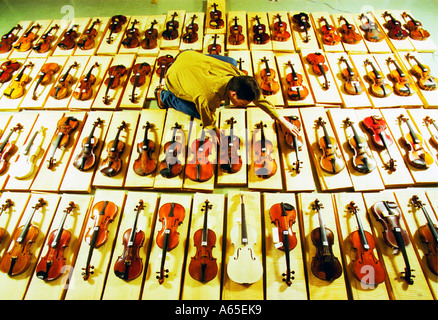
(115, 26)
(7, 68)
(8, 39)
(203, 266)
(51, 266)
(216, 21)
(230, 160)
(129, 265)
(145, 164)
(199, 168)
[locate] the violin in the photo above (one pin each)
(230, 160)
(25, 166)
(115, 73)
(265, 165)
(171, 166)
(15, 88)
(415, 28)
(26, 40)
(372, 32)
(216, 21)
(172, 26)
(132, 34)
(236, 37)
(203, 266)
(379, 88)
(280, 30)
(44, 44)
(395, 28)
(163, 63)
(377, 126)
(214, 48)
(429, 235)
(145, 164)
(17, 259)
(387, 213)
(115, 26)
(239, 65)
(317, 61)
(171, 216)
(366, 267)
(7, 148)
(150, 37)
(362, 160)
(199, 168)
(138, 78)
(331, 161)
(349, 34)
(417, 156)
(296, 90)
(259, 30)
(301, 21)
(428, 120)
(8, 204)
(65, 127)
(45, 76)
(284, 215)
(103, 213)
(329, 35)
(61, 89)
(68, 42)
(294, 142)
(86, 159)
(8, 39)
(402, 84)
(191, 34)
(84, 90)
(269, 85)
(352, 84)
(87, 40)
(51, 266)
(7, 68)
(422, 72)
(129, 265)
(112, 164)
(325, 265)
(244, 266)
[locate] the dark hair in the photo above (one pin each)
(246, 87)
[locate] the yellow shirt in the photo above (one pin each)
(203, 80)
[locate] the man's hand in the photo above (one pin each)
(289, 127)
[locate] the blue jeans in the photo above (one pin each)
(184, 106)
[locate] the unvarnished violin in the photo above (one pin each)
(129, 265)
(171, 215)
(366, 267)
(331, 161)
(429, 235)
(203, 266)
(388, 214)
(103, 213)
(325, 265)
(51, 265)
(112, 164)
(283, 215)
(17, 259)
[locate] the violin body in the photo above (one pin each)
(26, 40)
(203, 266)
(171, 166)
(352, 83)
(427, 236)
(265, 165)
(296, 90)
(236, 37)
(17, 260)
(349, 34)
(403, 86)
(395, 28)
(377, 126)
(25, 166)
(171, 31)
(365, 259)
(372, 33)
(150, 37)
(283, 215)
(65, 127)
(84, 90)
(145, 164)
(4, 156)
(317, 61)
(112, 164)
(362, 160)
(331, 161)
(379, 87)
(16, 88)
(325, 265)
(199, 168)
(171, 216)
(86, 159)
(268, 85)
(130, 265)
(51, 265)
(7, 68)
(8, 39)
